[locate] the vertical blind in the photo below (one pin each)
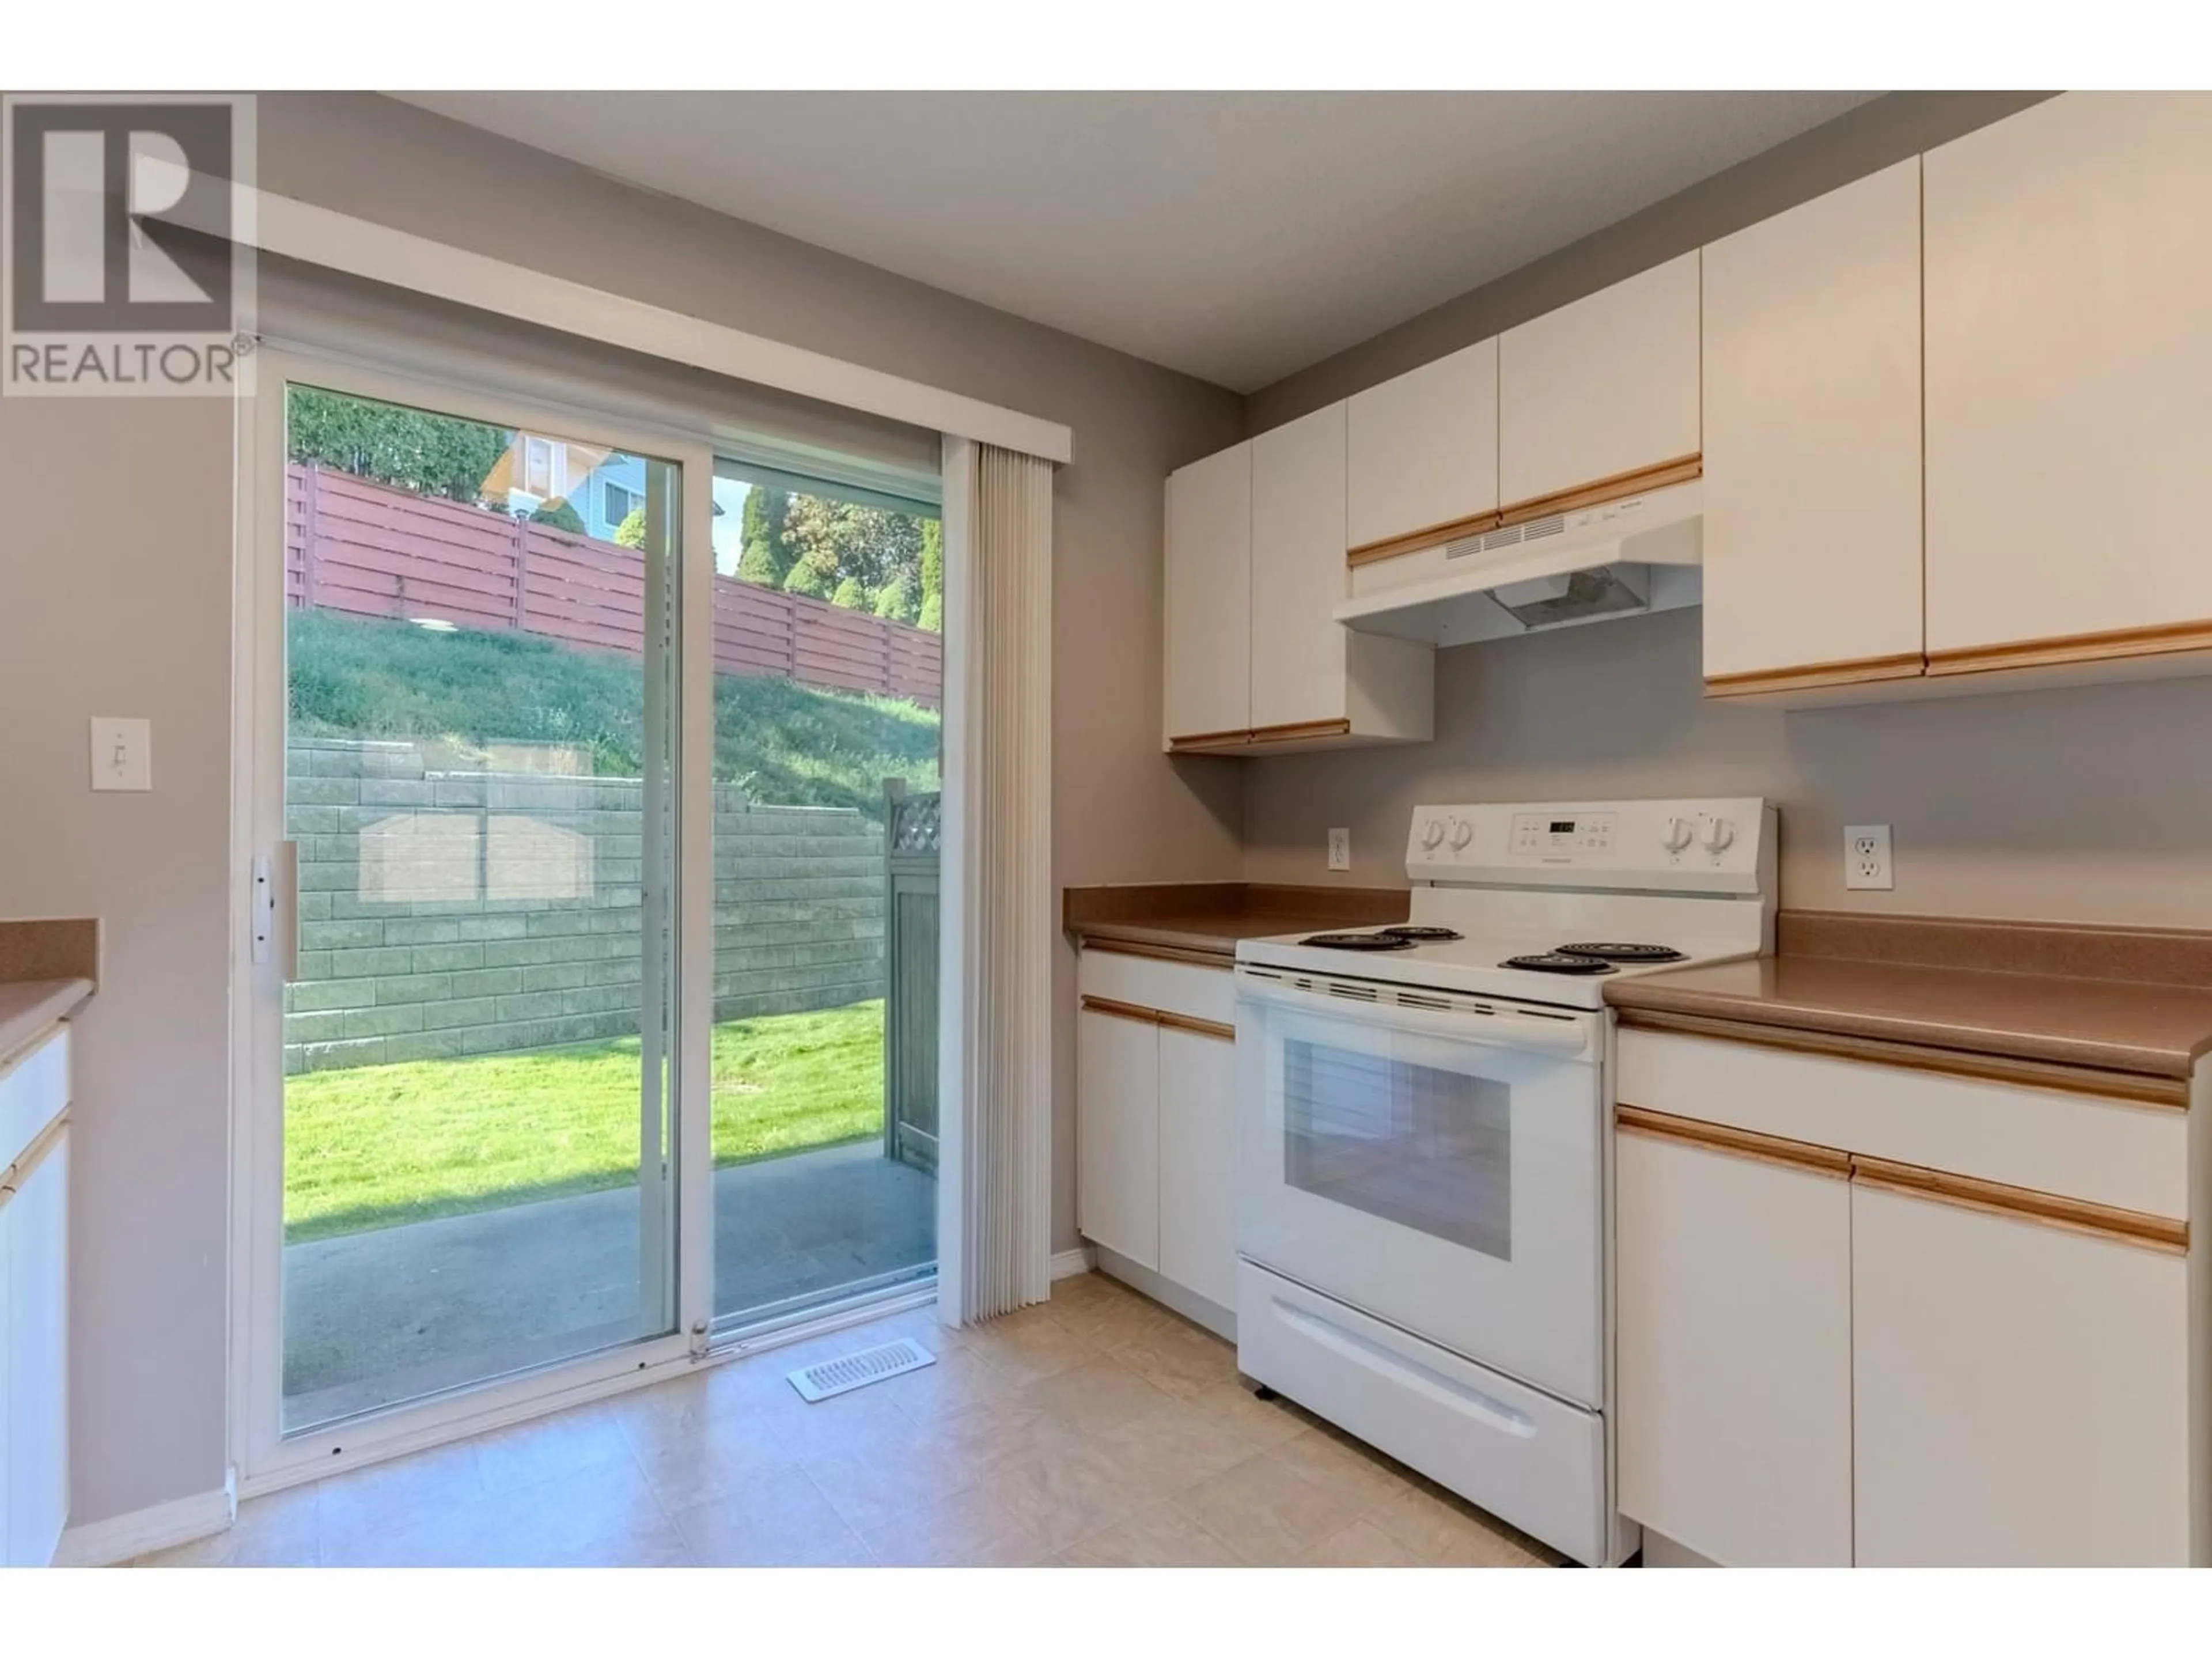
(995, 1210)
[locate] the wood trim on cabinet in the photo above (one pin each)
(1861, 670)
(1680, 469)
(1195, 1026)
(1300, 730)
(1743, 1143)
(1224, 960)
(2133, 1087)
(1144, 1016)
(2075, 1214)
(1416, 541)
(1091, 1005)
(2166, 639)
(1200, 742)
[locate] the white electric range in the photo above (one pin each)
(1426, 1148)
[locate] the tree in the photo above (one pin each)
(931, 611)
(766, 554)
(850, 594)
(872, 544)
(898, 600)
(430, 454)
(630, 532)
(559, 515)
(809, 578)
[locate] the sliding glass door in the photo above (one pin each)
(592, 831)
(477, 1133)
(829, 608)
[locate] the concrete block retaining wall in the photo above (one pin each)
(444, 912)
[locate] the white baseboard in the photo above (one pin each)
(141, 1532)
(1068, 1263)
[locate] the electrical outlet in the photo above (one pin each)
(1339, 849)
(1866, 857)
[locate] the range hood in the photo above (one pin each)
(1621, 558)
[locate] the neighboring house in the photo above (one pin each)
(603, 486)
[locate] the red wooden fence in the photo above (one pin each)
(376, 551)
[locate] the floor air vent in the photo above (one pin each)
(857, 1370)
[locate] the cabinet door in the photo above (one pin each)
(2020, 1391)
(1423, 449)
(1733, 1323)
(1811, 438)
(1298, 572)
(1208, 619)
(1605, 386)
(35, 1329)
(1198, 1164)
(2069, 346)
(1117, 1127)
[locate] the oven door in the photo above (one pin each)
(1438, 1169)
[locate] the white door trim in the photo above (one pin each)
(264, 1455)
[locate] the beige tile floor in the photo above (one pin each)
(1098, 1429)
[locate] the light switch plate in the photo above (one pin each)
(1339, 849)
(122, 753)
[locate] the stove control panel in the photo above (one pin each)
(1542, 834)
(1712, 846)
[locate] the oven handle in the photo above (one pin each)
(1520, 1031)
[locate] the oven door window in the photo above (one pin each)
(1429, 1149)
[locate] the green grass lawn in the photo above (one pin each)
(377, 1146)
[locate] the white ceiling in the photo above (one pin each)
(1237, 236)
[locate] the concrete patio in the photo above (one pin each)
(376, 1317)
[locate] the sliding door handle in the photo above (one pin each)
(277, 909)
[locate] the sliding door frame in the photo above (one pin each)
(265, 1458)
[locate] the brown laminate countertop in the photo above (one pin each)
(1207, 919)
(2138, 1001)
(47, 971)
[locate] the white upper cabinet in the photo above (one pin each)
(1256, 660)
(1208, 622)
(1602, 388)
(1423, 452)
(2070, 354)
(1298, 572)
(1812, 442)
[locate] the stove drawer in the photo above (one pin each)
(1520, 1454)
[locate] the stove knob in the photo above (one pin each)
(1462, 832)
(1433, 834)
(1679, 833)
(1719, 832)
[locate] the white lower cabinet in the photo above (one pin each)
(1734, 1344)
(1198, 1162)
(1155, 1123)
(2020, 1391)
(34, 1493)
(1117, 1129)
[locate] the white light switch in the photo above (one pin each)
(122, 753)
(1339, 849)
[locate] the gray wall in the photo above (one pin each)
(103, 616)
(2087, 804)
